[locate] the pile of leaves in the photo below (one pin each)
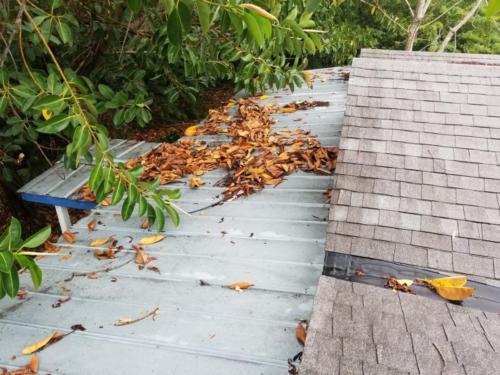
(256, 155)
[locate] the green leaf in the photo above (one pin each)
(118, 118)
(151, 215)
(106, 91)
(11, 238)
(186, 16)
(168, 5)
(174, 28)
(160, 219)
(55, 125)
(64, 32)
(95, 177)
(6, 260)
(127, 208)
(4, 101)
(118, 193)
(493, 8)
(143, 205)
(81, 137)
(35, 271)
(134, 5)
(203, 10)
(53, 103)
(109, 179)
(254, 28)
(174, 215)
(265, 26)
(310, 46)
(38, 238)
(2, 291)
(10, 281)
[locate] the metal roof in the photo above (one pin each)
(274, 239)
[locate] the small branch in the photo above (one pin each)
(410, 8)
(17, 25)
(385, 14)
(454, 29)
(124, 322)
(125, 38)
(101, 270)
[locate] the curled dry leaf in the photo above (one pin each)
(60, 301)
(92, 225)
(30, 368)
(70, 237)
(394, 284)
(106, 202)
(151, 239)
(50, 247)
(42, 344)
(452, 281)
(105, 254)
(195, 182)
(301, 331)
(145, 224)
(240, 285)
(191, 131)
(141, 258)
(22, 293)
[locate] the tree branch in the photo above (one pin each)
(457, 27)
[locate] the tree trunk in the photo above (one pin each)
(457, 27)
(419, 14)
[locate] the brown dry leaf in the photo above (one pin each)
(141, 258)
(240, 285)
(145, 224)
(100, 242)
(50, 247)
(106, 202)
(301, 331)
(22, 293)
(68, 257)
(395, 284)
(151, 239)
(40, 345)
(33, 365)
(63, 289)
(195, 182)
(70, 237)
(105, 254)
(154, 269)
(92, 225)
(30, 368)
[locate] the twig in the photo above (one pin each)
(124, 322)
(107, 269)
(125, 38)
(7, 50)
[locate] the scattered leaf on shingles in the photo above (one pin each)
(195, 182)
(452, 281)
(154, 269)
(106, 202)
(264, 97)
(70, 237)
(141, 258)
(105, 254)
(145, 224)
(68, 257)
(405, 282)
(151, 239)
(455, 294)
(393, 284)
(240, 285)
(92, 276)
(359, 273)
(191, 131)
(63, 289)
(99, 242)
(126, 321)
(78, 327)
(60, 301)
(92, 225)
(42, 344)
(22, 293)
(50, 247)
(30, 368)
(301, 331)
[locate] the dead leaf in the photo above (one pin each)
(240, 285)
(393, 284)
(63, 289)
(405, 282)
(22, 293)
(33, 365)
(105, 254)
(60, 301)
(100, 242)
(301, 331)
(40, 345)
(92, 225)
(452, 281)
(70, 237)
(455, 294)
(145, 224)
(78, 327)
(195, 182)
(106, 202)
(151, 239)
(191, 131)
(30, 368)
(67, 256)
(263, 97)
(154, 269)
(141, 258)
(50, 247)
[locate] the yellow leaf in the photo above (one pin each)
(404, 282)
(99, 242)
(47, 115)
(189, 132)
(308, 77)
(263, 97)
(259, 11)
(54, 337)
(452, 281)
(455, 294)
(195, 182)
(151, 239)
(240, 285)
(374, 8)
(70, 237)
